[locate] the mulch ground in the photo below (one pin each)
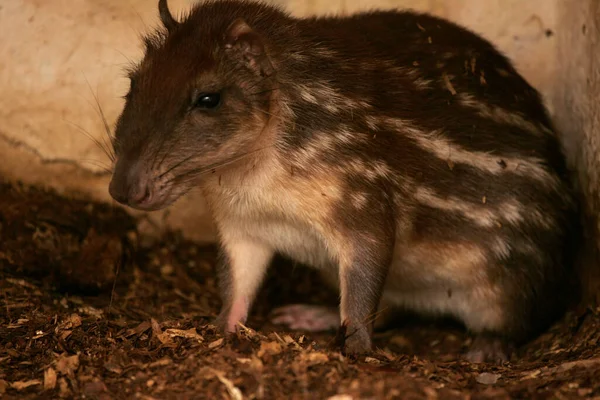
(91, 309)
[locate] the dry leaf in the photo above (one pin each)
(158, 333)
(269, 348)
(314, 358)
(66, 365)
(71, 322)
(216, 343)
(288, 339)
(531, 374)
(20, 385)
(3, 386)
(141, 328)
(160, 363)
(234, 392)
(49, 379)
(486, 378)
(188, 334)
(65, 334)
(63, 388)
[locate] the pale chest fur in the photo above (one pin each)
(271, 207)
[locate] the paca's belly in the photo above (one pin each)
(445, 279)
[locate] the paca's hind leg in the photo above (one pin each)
(310, 317)
(306, 317)
(489, 348)
(488, 319)
(313, 318)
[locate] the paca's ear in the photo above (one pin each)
(165, 16)
(243, 41)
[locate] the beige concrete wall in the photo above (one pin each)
(576, 97)
(55, 55)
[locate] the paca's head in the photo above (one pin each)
(198, 101)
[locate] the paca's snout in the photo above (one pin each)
(132, 186)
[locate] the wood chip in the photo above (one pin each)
(188, 334)
(66, 365)
(269, 348)
(50, 378)
(158, 333)
(314, 358)
(234, 392)
(20, 385)
(160, 363)
(573, 364)
(138, 330)
(215, 344)
(486, 378)
(63, 388)
(71, 322)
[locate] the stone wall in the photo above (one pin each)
(57, 55)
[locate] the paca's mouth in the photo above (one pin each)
(142, 195)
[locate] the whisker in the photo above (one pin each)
(100, 112)
(95, 164)
(200, 171)
(92, 138)
(176, 165)
(166, 153)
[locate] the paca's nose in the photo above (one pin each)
(130, 186)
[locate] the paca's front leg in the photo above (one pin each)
(363, 271)
(361, 284)
(241, 268)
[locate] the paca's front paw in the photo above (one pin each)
(225, 324)
(356, 341)
(221, 323)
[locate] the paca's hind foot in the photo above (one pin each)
(488, 349)
(305, 317)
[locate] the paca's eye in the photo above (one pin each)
(207, 100)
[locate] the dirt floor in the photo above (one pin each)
(89, 309)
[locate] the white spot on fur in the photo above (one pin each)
(443, 148)
(306, 95)
(500, 247)
(371, 171)
(510, 212)
(500, 115)
(329, 97)
(359, 199)
(484, 217)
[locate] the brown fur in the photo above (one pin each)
(397, 150)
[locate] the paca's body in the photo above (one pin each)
(400, 154)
